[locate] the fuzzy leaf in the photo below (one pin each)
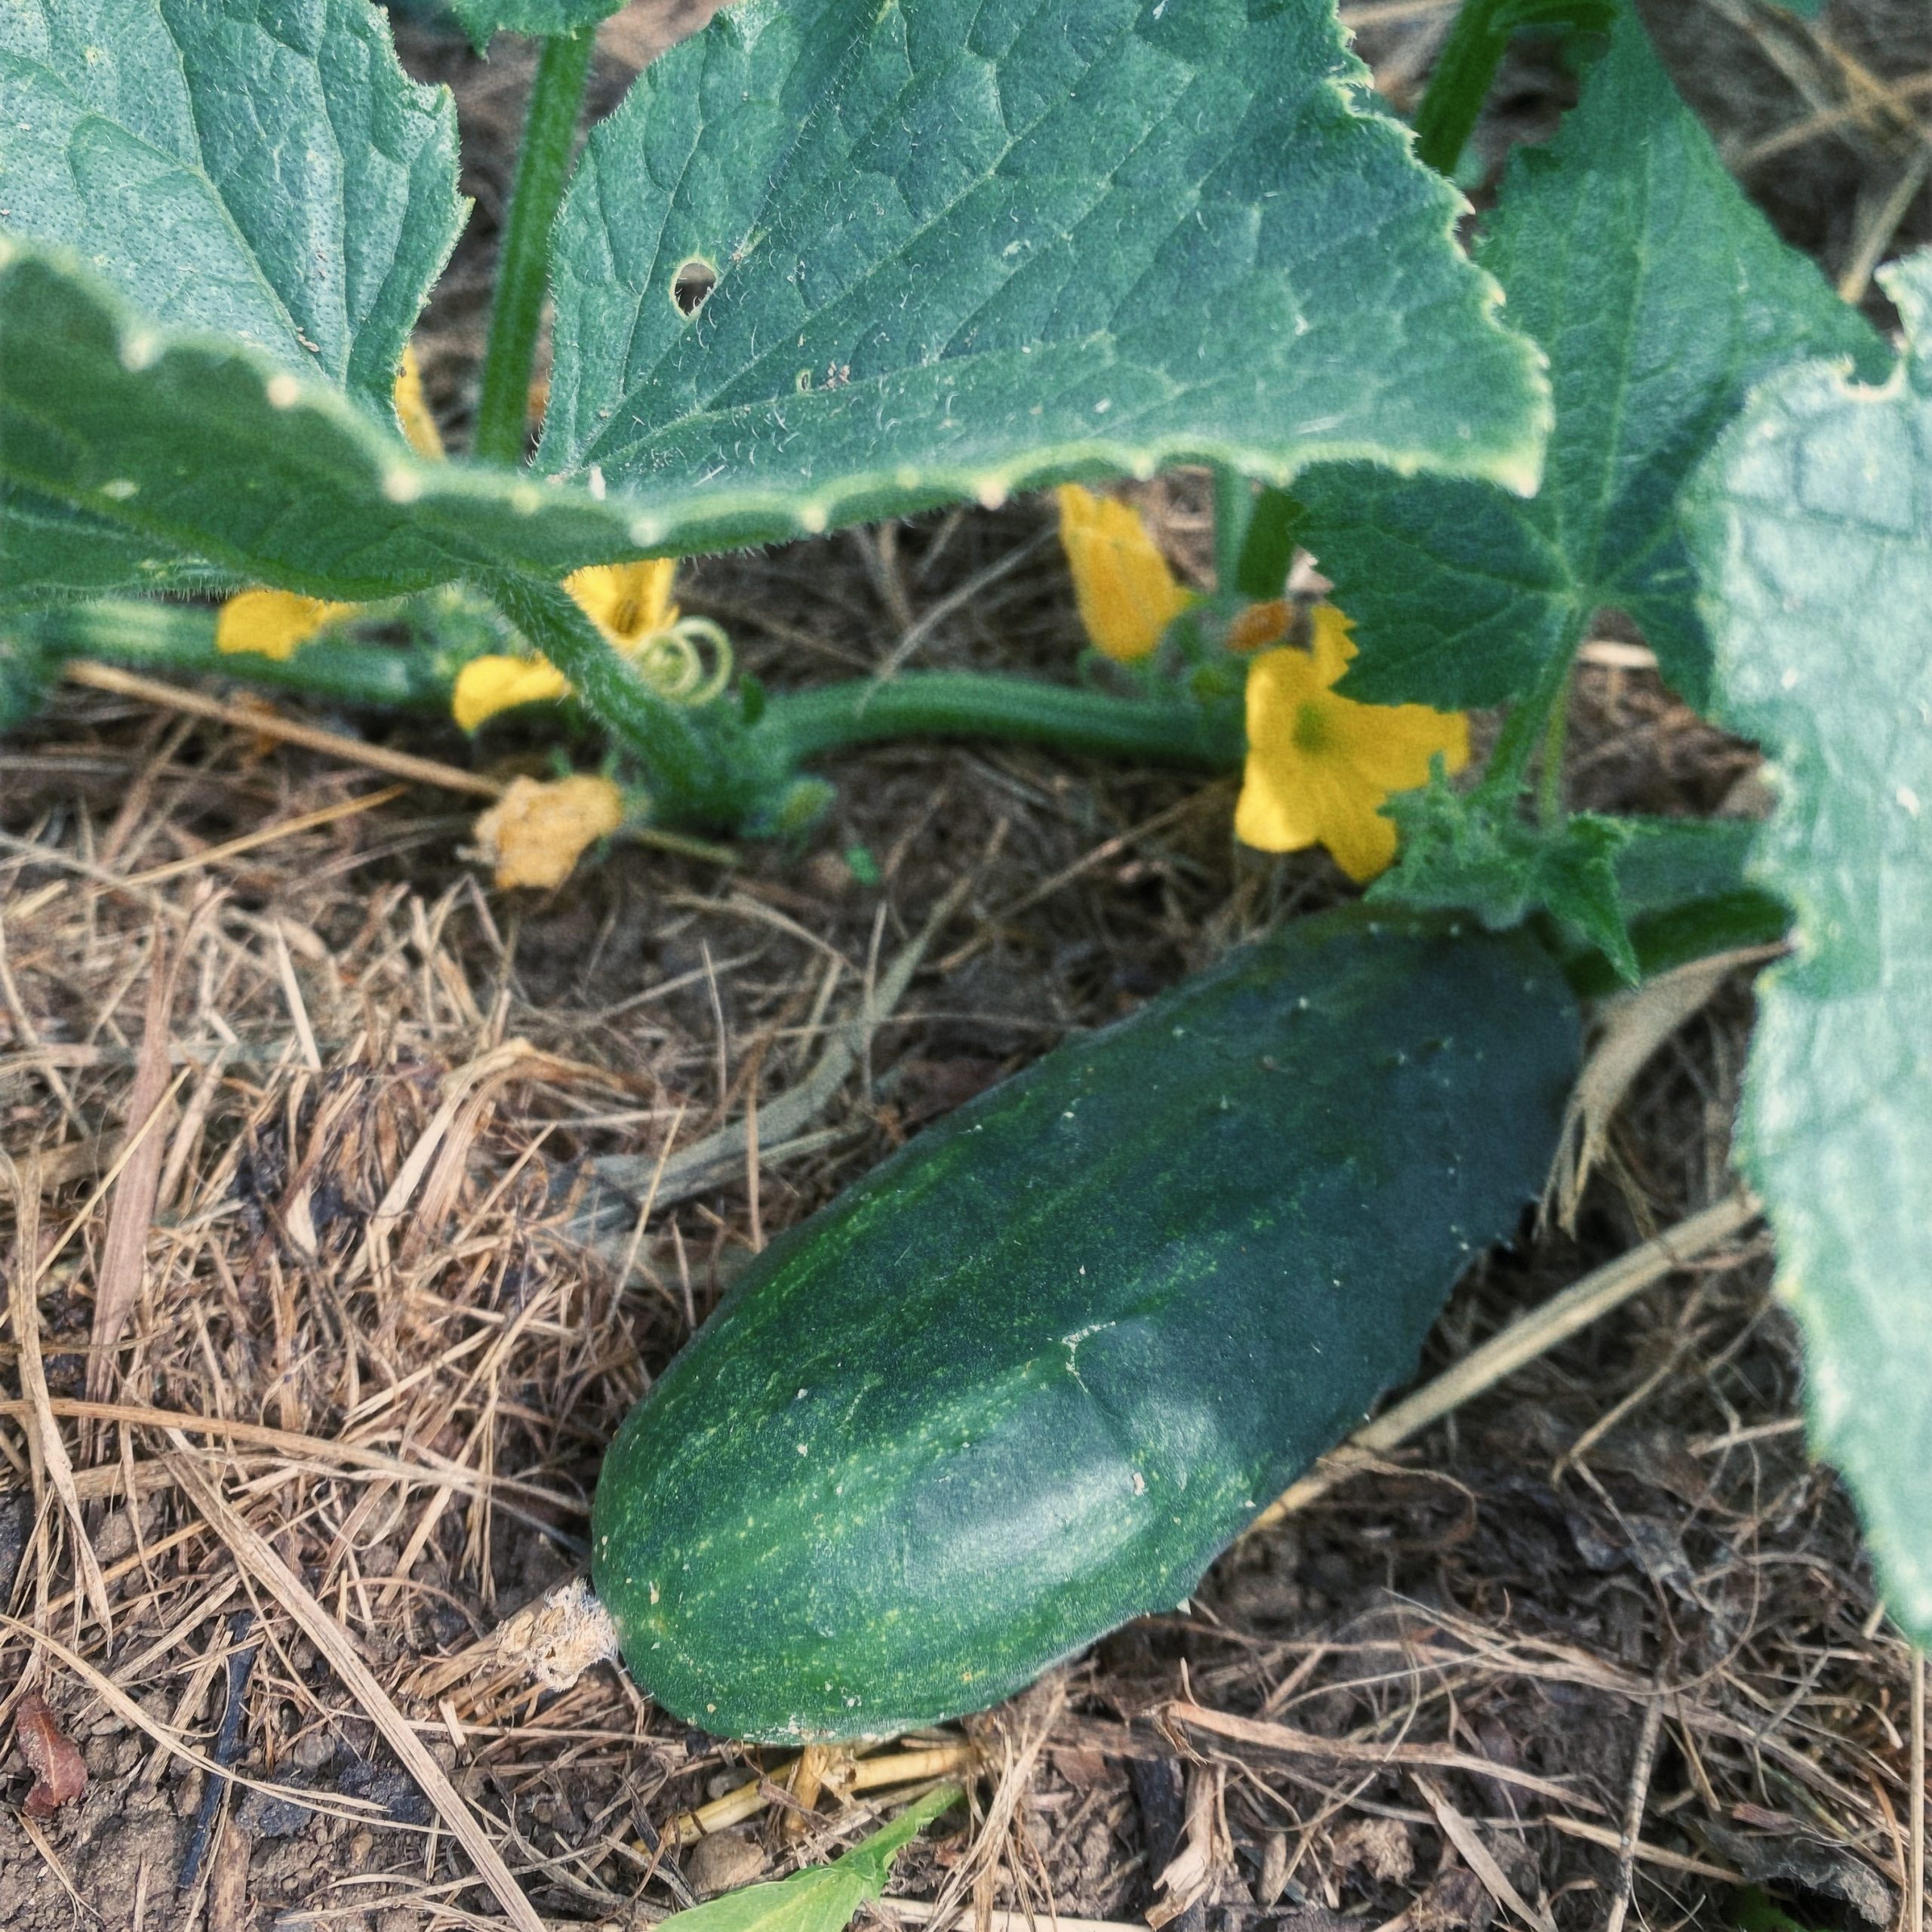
(1660, 295)
(822, 1898)
(953, 249)
(52, 553)
(1811, 525)
(1460, 854)
(244, 167)
(262, 172)
(195, 446)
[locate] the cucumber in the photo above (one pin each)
(1026, 1379)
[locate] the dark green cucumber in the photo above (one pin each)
(1028, 1378)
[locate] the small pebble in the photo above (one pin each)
(722, 1862)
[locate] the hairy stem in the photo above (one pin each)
(1234, 506)
(697, 755)
(1478, 41)
(549, 134)
(971, 704)
(1527, 726)
(169, 637)
(1555, 732)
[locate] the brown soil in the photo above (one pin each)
(1617, 1576)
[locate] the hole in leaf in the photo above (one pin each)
(695, 280)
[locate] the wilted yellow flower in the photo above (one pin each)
(538, 830)
(1319, 766)
(629, 603)
(412, 409)
(1127, 594)
(1257, 624)
(273, 623)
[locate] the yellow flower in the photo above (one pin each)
(273, 623)
(1127, 594)
(276, 623)
(629, 603)
(1319, 766)
(538, 831)
(486, 685)
(412, 410)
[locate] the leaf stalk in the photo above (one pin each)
(523, 266)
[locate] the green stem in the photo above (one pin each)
(699, 756)
(1555, 731)
(549, 136)
(1526, 726)
(705, 766)
(1460, 82)
(1234, 505)
(970, 704)
(179, 637)
(1477, 40)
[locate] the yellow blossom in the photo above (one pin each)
(629, 603)
(412, 409)
(1319, 766)
(1127, 594)
(486, 685)
(538, 831)
(273, 623)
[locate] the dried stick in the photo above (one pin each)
(1633, 1814)
(51, 1452)
(1357, 1751)
(269, 724)
(252, 1553)
(1915, 1921)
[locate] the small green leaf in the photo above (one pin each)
(1661, 295)
(236, 167)
(1811, 525)
(823, 1897)
(856, 257)
(1462, 853)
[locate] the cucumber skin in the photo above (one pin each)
(1029, 1377)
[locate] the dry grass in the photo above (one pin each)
(306, 1381)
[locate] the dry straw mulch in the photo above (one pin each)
(304, 1379)
(309, 1378)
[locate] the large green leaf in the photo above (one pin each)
(1811, 525)
(962, 247)
(173, 444)
(1193, 240)
(1661, 295)
(258, 168)
(51, 553)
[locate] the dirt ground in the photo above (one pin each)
(304, 1385)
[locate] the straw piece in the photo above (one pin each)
(252, 1553)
